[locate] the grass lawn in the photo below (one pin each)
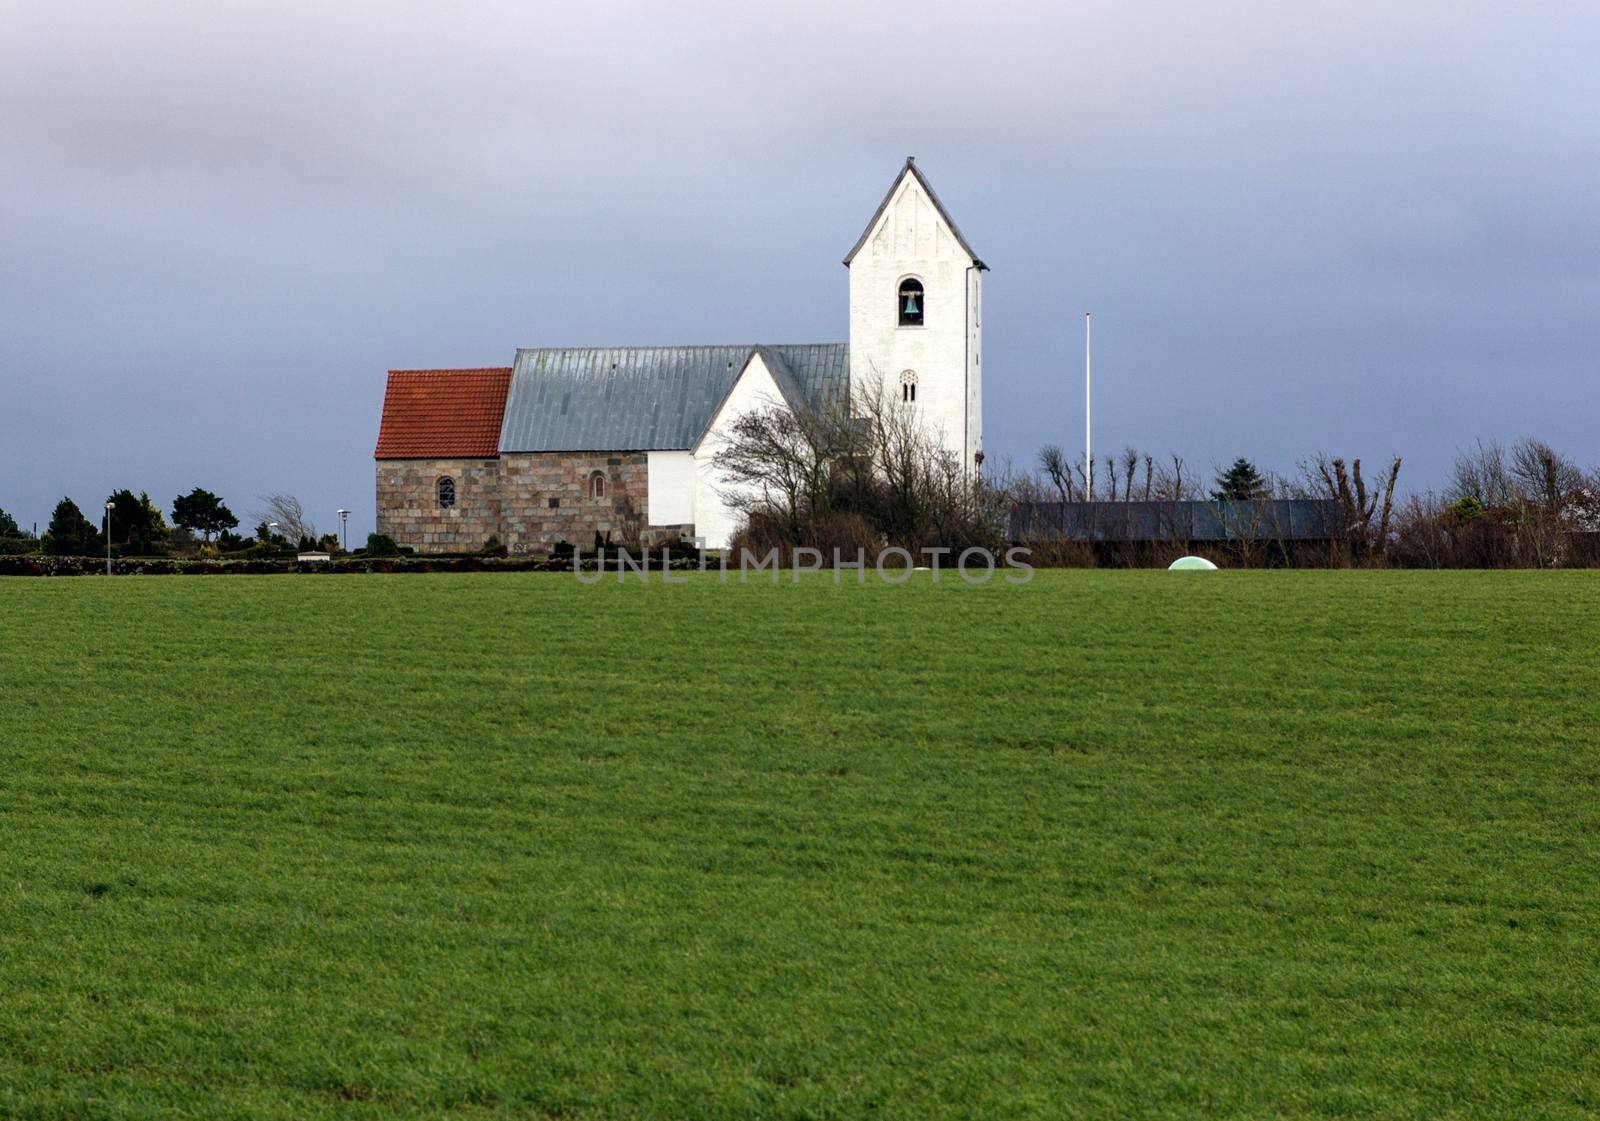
(1107, 845)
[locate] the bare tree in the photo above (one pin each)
(1423, 539)
(781, 459)
(285, 509)
(1544, 481)
(1387, 513)
(1170, 485)
(857, 472)
(1480, 473)
(1356, 506)
(1058, 469)
(1542, 474)
(1130, 464)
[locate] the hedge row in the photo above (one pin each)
(40, 565)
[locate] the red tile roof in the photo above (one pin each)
(443, 414)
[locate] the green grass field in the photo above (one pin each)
(1108, 845)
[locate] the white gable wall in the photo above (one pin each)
(911, 239)
(671, 488)
(755, 390)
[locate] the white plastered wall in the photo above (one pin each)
(671, 494)
(714, 520)
(911, 239)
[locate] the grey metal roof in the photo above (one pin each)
(1298, 519)
(911, 169)
(649, 398)
(789, 382)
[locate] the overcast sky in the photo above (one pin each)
(1364, 227)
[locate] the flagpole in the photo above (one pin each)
(1088, 404)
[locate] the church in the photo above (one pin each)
(570, 443)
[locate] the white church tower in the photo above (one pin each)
(916, 314)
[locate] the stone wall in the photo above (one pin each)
(546, 498)
(409, 510)
(529, 500)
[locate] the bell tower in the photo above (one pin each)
(916, 314)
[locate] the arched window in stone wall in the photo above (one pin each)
(446, 488)
(597, 485)
(912, 302)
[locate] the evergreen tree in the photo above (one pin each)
(70, 533)
(135, 521)
(155, 521)
(202, 512)
(127, 518)
(266, 536)
(1240, 482)
(12, 537)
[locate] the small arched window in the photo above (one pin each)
(912, 304)
(908, 386)
(597, 485)
(447, 492)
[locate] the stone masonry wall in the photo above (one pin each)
(529, 500)
(546, 499)
(409, 510)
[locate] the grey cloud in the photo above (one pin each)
(1364, 227)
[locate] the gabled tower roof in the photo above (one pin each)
(911, 169)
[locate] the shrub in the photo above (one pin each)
(680, 547)
(1062, 552)
(381, 545)
(766, 529)
(1463, 510)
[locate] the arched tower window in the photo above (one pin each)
(908, 386)
(912, 304)
(447, 492)
(597, 484)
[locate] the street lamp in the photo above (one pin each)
(108, 536)
(344, 530)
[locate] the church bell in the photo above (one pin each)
(911, 303)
